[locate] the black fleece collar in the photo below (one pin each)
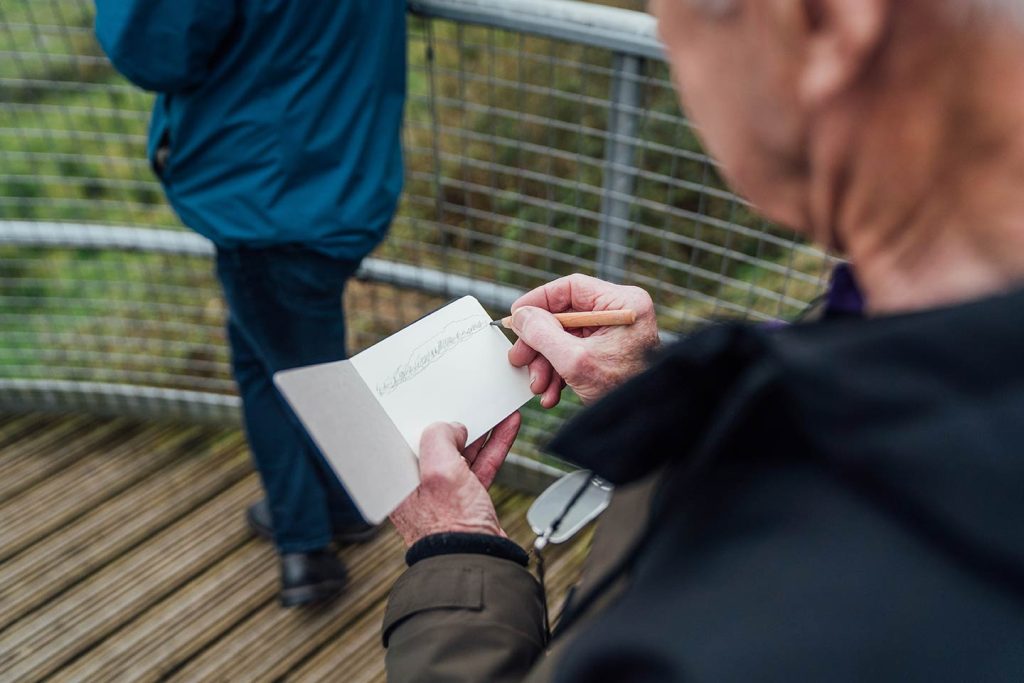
(927, 409)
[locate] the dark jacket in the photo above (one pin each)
(835, 501)
(281, 117)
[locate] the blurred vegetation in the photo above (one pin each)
(505, 151)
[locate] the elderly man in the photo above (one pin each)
(837, 500)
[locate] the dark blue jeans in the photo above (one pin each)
(285, 311)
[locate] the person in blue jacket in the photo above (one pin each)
(276, 135)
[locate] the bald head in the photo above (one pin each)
(844, 119)
(765, 79)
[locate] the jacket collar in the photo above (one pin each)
(926, 409)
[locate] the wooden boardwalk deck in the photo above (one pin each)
(124, 556)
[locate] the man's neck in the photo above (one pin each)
(933, 212)
(959, 244)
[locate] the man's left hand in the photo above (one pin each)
(454, 478)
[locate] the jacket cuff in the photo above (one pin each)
(450, 543)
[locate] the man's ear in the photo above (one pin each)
(843, 36)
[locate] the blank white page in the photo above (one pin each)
(451, 366)
(370, 457)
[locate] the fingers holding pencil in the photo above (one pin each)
(584, 319)
(618, 329)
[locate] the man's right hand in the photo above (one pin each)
(593, 360)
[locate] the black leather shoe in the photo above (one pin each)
(311, 577)
(257, 516)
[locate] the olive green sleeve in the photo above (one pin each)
(464, 617)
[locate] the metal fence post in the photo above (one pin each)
(619, 171)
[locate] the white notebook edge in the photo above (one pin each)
(330, 400)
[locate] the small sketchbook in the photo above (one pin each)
(366, 414)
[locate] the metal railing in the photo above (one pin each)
(543, 137)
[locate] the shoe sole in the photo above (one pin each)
(304, 595)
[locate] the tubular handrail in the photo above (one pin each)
(529, 160)
(180, 242)
(619, 30)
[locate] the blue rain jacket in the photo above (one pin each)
(282, 117)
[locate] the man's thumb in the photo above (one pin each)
(440, 444)
(541, 332)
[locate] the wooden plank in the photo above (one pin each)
(34, 460)
(138, 587)
(273, 640)
(185, 622)
(172, 632)
(29, 432)
(44, 641)
(95, 477)
(8, 418)
(358, 652)
(74, 551)
(17, 428)
(368, 660)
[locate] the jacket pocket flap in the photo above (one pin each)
(427, 586)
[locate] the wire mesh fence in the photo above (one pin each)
(527, 157)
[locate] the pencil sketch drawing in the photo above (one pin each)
(432, 350)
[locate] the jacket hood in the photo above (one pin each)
(923, 412)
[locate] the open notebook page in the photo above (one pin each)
(450, 366)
